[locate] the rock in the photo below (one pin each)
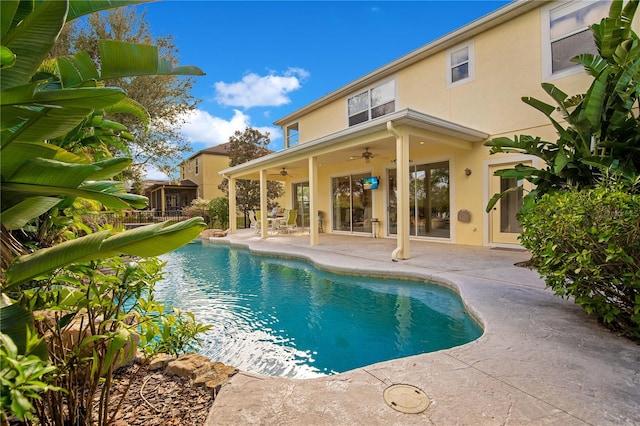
(213, 233)
(213, 375)
(160, 361)
(185, 365)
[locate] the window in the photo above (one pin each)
(566, 34)
(197, 167)
(372, 103)
(182, 171)
(293, 136)
(460, 64)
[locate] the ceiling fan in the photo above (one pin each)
(366, 155)
(282, 172)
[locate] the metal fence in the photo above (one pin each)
(133, 218)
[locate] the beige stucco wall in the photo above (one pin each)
(207, 178)
(508, 66)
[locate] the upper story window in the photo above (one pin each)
(292, 136)
(182, 171)
(566, 34)
(197, 166)
(372, 103)
(460, 64)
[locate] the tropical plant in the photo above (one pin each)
(601, 136)
(45, 107)
(167, 98)
(220, 211)
(586, 245)
(22, 378)
(90, 314)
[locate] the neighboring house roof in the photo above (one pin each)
(170, 184)
(478, 26)
(221, 149)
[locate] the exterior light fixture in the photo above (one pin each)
(467, 171)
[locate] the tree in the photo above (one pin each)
(602, 135)
(167, 98)
(64, 102)
(246, 146)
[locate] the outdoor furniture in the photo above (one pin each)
(255, 224)
(274, 223)
(288, 222)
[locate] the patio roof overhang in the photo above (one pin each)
(418, 124)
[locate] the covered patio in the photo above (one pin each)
(371, 149)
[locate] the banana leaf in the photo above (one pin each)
(19, 215)
(146, 241)
(31, 41)
(120, 59)
(78, 8)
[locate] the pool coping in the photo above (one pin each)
(539, 360)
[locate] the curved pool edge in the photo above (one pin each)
(362, 272)
(539, 360)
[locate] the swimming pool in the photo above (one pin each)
(284, 317)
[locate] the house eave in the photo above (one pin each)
(406, 117)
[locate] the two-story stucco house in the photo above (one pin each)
(399, 151)
(202, 169)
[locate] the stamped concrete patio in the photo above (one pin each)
(541, 359)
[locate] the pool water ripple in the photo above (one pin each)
(284, 317)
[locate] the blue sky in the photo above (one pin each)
(266, 59)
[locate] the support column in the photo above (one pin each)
(233, 221)
(402, 178)
(264, 213)
(163, 202)
(313, 198)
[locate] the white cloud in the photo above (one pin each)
(202, 127)
(261, 91)
(152, 173)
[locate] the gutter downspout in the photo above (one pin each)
(402, 164)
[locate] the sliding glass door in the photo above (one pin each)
(351, 204)
(301, 203)
(429, 210)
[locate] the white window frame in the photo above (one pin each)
(565, 7)
(288, 138)
(471, 62)
(370, 107)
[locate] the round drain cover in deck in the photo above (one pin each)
(406, 399)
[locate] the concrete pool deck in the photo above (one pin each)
(541, 359)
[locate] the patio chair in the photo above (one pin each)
(255, 221)
(289, 220)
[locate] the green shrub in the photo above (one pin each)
(586, 245)
(219, 209)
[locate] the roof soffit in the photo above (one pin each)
(442, 131)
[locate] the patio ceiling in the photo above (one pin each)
(340, 146)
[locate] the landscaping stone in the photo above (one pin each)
(160, 361)
(185, 365)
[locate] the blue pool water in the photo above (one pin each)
(283, 317)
